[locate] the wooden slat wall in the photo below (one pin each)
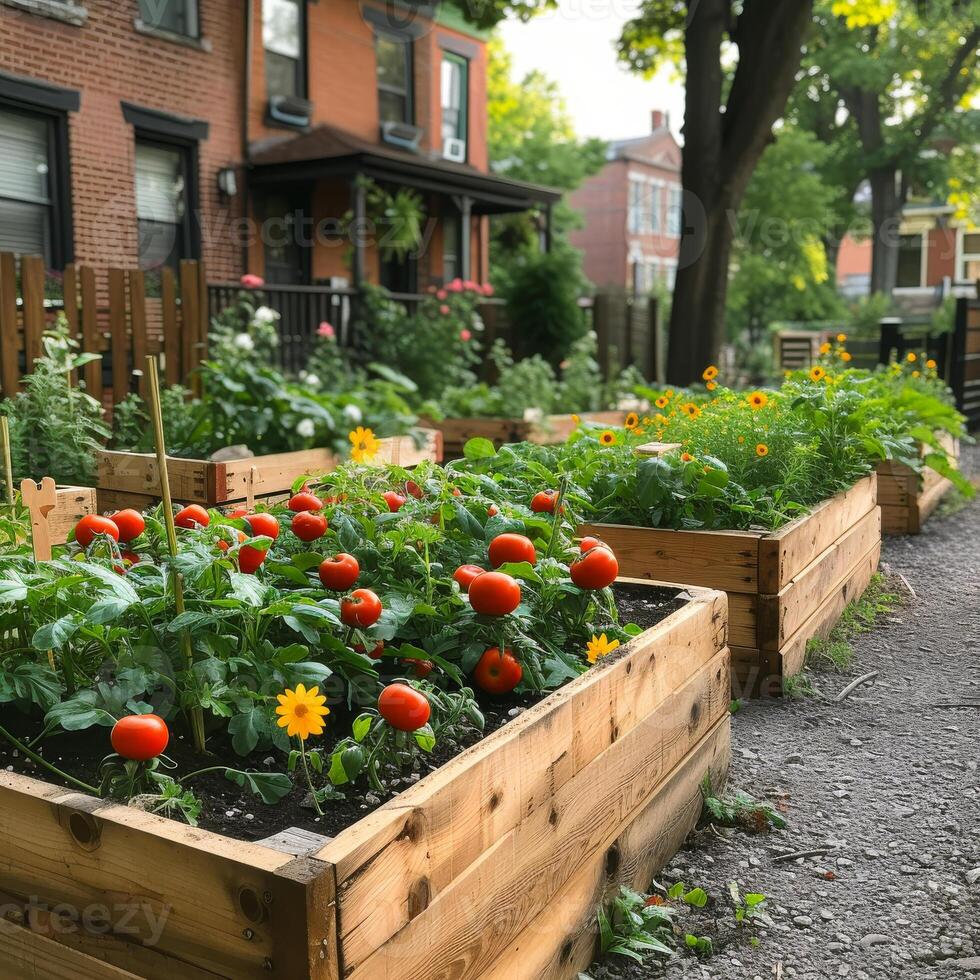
(120, 330)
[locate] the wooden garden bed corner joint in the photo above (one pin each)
(492, 866)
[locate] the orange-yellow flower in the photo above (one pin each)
(710, 373)
(607, 438)
(577, 419)
(841, 337)
(632, 420)
(915, 374)
(817, 373)
(910, 357)
(600, 646)
(711, 385)
(762, 449)
(692, 410)
(662, 402)
(686, 457)
(825, 347)
(931, 364)
(845, 356)
(364, 445)
(758, 399)
(301, 712)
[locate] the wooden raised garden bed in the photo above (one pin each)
(548, 430)
(492, 865)
(783, 588)
(133, 480)
(908, 498)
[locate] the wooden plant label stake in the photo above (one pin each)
(8, 466)
(657, 448)
(40, 501)
(250, 489)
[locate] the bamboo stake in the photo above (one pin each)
(8, 466)
(156, 414)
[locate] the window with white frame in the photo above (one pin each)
(655, 209)
(162, 212)
(634, 220)
(173, 16)
(969, 270)
(674, 210)
(455, 91)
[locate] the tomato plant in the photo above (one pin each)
(496, 672)
(309, 526)
(130, 523)
(140, 737)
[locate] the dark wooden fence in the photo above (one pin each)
(965, 367)
(109, 314)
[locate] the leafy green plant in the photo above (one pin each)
(739, 809)
(634, 928)
(749, 908)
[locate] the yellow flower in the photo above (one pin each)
(692, 410)
(632, 421)
(911, 358)
(931, 364)
(365, 445)
(762, 449)
(817, 373)
(607, 438)
(686, 457)
(662, 420)
(758, 399)
(845, 356)
(825, 348)
(841, 337)
(711, 385)
(670, 392)
(301, 712)
(741, 438)
(600, 646)
(577, 419)
(662, 401)
(915, 374)
(710, 373)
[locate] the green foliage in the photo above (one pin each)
(634, 929)
(55, 427)
(739, 809)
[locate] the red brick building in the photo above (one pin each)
(241, 132)
(632, 212)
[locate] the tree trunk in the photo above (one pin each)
(886, 220)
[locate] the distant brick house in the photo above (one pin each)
(147, 130)
(632, 212)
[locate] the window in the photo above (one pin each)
(455, 95)
(450, 247)
(173, 16)
(163, 212)
(32, 220)
(283, 36)
(675, 197)
(634, 218)
(655, 206)
(394, 57)
(970, 259)
(909, 261)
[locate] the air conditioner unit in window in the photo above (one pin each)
(401, 134)
(454, 149)
(291, 110)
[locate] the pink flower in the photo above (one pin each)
(326, 330)
(469, 284)
(442, 294)
(252, 282)
(444, 309)
(455, 286)
(465, 334)
(430, 289)
(488, 290)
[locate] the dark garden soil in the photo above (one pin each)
(230, 810)
(885, 783)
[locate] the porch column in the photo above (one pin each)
(547, 233)
(359, 199)
(465, 205)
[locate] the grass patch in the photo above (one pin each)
(835, 652)
(954, 500)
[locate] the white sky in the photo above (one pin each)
(575, 47)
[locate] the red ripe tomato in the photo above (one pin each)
(494, 594)
(496, 672)
(263, 525)
(493, 510)
(223, 544)
(249, 559)
(414, 490)
(309, 527)
(238, 512)
(596, 569)
(192, 516)
(304, 501)
(140, 737)
(465, 574)
(420, 668)
(395, 501)
(588, 543)
(361, 608)
(543, 502)
(340, 572)
(403, 707)
(457, 492)
(129, 558)
(130, 523)
(511, 547)
(375, 653)
(91, 525)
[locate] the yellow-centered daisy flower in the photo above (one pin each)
(910, 357)
(632, 420)
(607, 438)
(762, 449)
(662, 401)
(758, 399)
(301, 712)
(915, 374)
(817, 373)
(686, 457)
(692, 410)
(364, 443)
(845, 356)
(711, 385)
(825, 347)
(577, 419)
(710, 373)
(741, 439)
(841, 337)
(931, 364)
(600, 646)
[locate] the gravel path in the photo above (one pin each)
(888, 780)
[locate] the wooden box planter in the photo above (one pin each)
(908, 498)
(549, 430)
(73, 504)
(783, 587)
(491, 866)
(132, 479)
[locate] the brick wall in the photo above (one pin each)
(109, 61)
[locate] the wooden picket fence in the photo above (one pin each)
(113, 317)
